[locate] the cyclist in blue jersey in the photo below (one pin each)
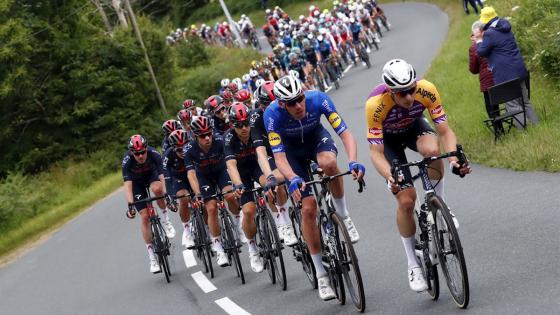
(168, 127)
(207, 172)
(176, 180)
(142, 170)
(357, 36)
(296, 135)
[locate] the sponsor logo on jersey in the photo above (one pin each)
(378, 111)
(274, 139)
(437, 110)
(375, 132)
(427, 94)
(335, 120)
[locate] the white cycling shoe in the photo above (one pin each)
(290, 238)
(221, 259)
(325, 291)
(169, 229)
(154, 266)
(352, 231)
(416, 279)
(257, 264)
(187, 239)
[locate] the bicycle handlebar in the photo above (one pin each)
(326, 179)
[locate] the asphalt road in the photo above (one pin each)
(97, 263)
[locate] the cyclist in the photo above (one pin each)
(142, 169)
(176, 180)
(243, 96)
(293, 122)
(264, 96)
(206, 171)
(190, 105)
(298, 65)
(217, 109)
(395, 121)
(311, 56)
(168, 127)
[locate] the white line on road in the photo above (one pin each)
(203, 282)
(230, 307)
(347, 68)
(328, 89)
(188, 256)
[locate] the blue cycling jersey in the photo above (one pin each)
(355, 28)
(173, 168)
(281, 126)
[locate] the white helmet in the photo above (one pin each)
(322, 31)
(253, 73)
(294, 73)
(398, 75)
(224, 83)
(311, 7)
(243, 16)
(246, 77)
(301, 17)
(259, 82)
(238, 82)
(287, 88)
(267, 11)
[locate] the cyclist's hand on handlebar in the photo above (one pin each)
(297, 185)
(198, 200)
(238, 190)
(460, 170)
(392, 185)
(131, 211)
(357, 169)
(171, 202)
(271, 186)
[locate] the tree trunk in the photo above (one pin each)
(103, 16)
(120, 12)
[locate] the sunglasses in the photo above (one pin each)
(179, 150)
(404, 93)
(139, 153)
(293, 103)
(205, 135)
(241, 124)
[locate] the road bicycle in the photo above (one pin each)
(437, 242)
(268, 242)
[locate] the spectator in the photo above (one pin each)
(497, 43)
(473, 4)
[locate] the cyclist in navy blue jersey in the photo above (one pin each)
(142, 170)
(176, 180)
(168, 127)
(207, 172)
(218, 112)
(264, 96)
(296, 135)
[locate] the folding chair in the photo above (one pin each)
(501, 120)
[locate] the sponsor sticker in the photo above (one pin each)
(375, 132)
(334, 120)
(437, 110)
(274, 139)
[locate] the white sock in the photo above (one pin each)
(165, 214)
(439, 188)
(237, 219)
(252, 246)
(340, 206)
(216, 244)
(408, 243)
(281, 216)
(150, 251)
(187, 228)
(318, 263)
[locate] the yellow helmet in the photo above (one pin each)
(193, 26)
(253, 63)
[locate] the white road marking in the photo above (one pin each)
(203, 282)
(230, 307)
(188, 256)
(347, 68)
(327, 90)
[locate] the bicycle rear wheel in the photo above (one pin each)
(301, 247)
(349, 264)
(275, 254)
(450, 252)
(230, 245)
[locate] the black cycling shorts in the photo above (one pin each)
(395, 144)
(208, 182)
(178, 183)
(140, 188)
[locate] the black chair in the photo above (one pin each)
(501, 121)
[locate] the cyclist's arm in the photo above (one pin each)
(233, 172)
(262, 159)
(128, 191)
(349, 145)
(448, 138)
(283, 165)
(377, 156)
(191, 175)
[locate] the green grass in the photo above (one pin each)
(535, 149)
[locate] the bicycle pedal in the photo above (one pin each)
(156, 272)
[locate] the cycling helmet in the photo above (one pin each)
(259, 82)
(246, 77)
(242, 96)
(213, 103)
(188, 103)
(238, 112)
(288, 88)
(200, 125)
(296, 50)
(398, 75)
(292, 56)
(320, 38)
(224, 83)
(233, 87)
(137, 143)
(294, 73)
(226, 95)
(184, 116)
(171, 125)
(178, 138)
(238, 82)
(253, 73)
(266, 93)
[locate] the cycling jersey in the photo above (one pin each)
(355, 28)
(385, 117)
(324, 49)
(298, 66)
(175, 172)
(310, 56)
(282, 127)
(165, 143)
(218, 125)
(132, 170)
(258, 130)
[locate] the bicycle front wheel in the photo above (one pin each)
(349, 264)
(230, 245)
(450, 252)
(275, 255)
(203, 245)
(301, 251)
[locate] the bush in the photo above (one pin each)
(192, 54)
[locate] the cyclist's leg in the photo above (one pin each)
(224, 183)
(157, 187)
(139, 192)
(208, 189)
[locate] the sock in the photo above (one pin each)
(318, 263)
(408, 243)
(187, 228)
(165, 214)
(285, 213)
(340, 206)
(237, 219)
(216, 244)
(252, 246)
(439, 188)
(150, 251)
(281, 215)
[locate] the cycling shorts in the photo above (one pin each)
(208, 182)
(179, 183)
(249, 178)
(299, 154)
(140, 188)
(395, 144)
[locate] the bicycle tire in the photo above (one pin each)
(334, 270)
(348, 256)
(203, 246)
(276, 256)
(306, 262)
(444, 226)
(159, 242)
(429, 270)
(264, 246)
(165, 266)
(231, 246)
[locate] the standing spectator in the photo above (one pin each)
(473, 4)
(479, 65)
(497, 43)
